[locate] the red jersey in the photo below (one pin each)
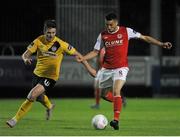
(116, 47)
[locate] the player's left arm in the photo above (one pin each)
(151, 40)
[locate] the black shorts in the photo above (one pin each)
(45, 82)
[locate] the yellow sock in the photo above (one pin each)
(25, 107)
(47, 102)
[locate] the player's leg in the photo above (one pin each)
(124, 101)
(26, 105)
(97, 99)
(105, 84)
(43, 98)
(96, 95)
(97, 90)
(107, 94)
(117, 104)
(45, 101)
(119, 79)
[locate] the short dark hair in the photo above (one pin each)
(111, 16)
(49, 24)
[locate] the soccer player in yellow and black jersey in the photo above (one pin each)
(49, 50)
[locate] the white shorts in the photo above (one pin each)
(98, 75)
(96, 79)
(108, 76)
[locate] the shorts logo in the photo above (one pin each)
(120, 73)
(46, 83)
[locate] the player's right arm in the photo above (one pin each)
(96, 50)
(26, 56)
(91, 54)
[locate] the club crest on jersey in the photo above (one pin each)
(54, 48)
(119, 36)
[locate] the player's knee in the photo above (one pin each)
(104, 91)
(31, 97)
(38, 90)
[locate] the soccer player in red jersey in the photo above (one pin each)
(115, 40)
(107, 95)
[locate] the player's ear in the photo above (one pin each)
(44, 30)
(116, 22)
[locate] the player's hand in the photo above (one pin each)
(28, 61)
(79, 58)
(167, 45)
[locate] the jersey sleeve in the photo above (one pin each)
(132, 33)
(33, 46)
(68, 48)
(98, 44)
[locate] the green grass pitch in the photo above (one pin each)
(72, 117)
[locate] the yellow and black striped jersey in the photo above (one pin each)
(49, 56)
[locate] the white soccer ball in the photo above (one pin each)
(99, 121)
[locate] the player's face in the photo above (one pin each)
(111, 25)
(50, 33)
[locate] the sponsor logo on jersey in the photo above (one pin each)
(48, 53)
(113, 43)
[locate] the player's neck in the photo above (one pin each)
(116, 30)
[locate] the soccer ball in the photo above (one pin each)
(99, 121)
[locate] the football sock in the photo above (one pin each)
(109, 96)
(117, 107)
(47, 102)
(24, 108)
(97, 96)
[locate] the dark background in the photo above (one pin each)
(21, 22)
